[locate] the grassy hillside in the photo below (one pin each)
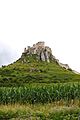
(35, 71)
(32, 89)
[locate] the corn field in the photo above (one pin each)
(41, 94)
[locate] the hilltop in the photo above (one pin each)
(43, 53)
(36, 65)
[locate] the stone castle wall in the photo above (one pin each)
(44, 53)
(41, 50)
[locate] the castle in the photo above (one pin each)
(44, 53)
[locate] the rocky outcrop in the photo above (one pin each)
(44, 53)
(66, 66)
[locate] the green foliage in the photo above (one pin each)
(66, 114)
(29, 80)
(33, 71)
(39, 94)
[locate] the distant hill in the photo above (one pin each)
(36, 65)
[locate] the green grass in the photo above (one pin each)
(35, 90)
(49, 111)
(33, 71)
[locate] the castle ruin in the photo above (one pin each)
(44, 53)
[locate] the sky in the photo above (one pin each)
(25, 22)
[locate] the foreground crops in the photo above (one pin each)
(39, 94)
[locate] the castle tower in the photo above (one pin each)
(25, 50)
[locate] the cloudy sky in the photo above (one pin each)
(25, 22)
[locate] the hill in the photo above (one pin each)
(38, 87)
(36, 65)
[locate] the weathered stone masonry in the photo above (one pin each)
(44, 53)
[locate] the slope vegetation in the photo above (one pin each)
(35, 71)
